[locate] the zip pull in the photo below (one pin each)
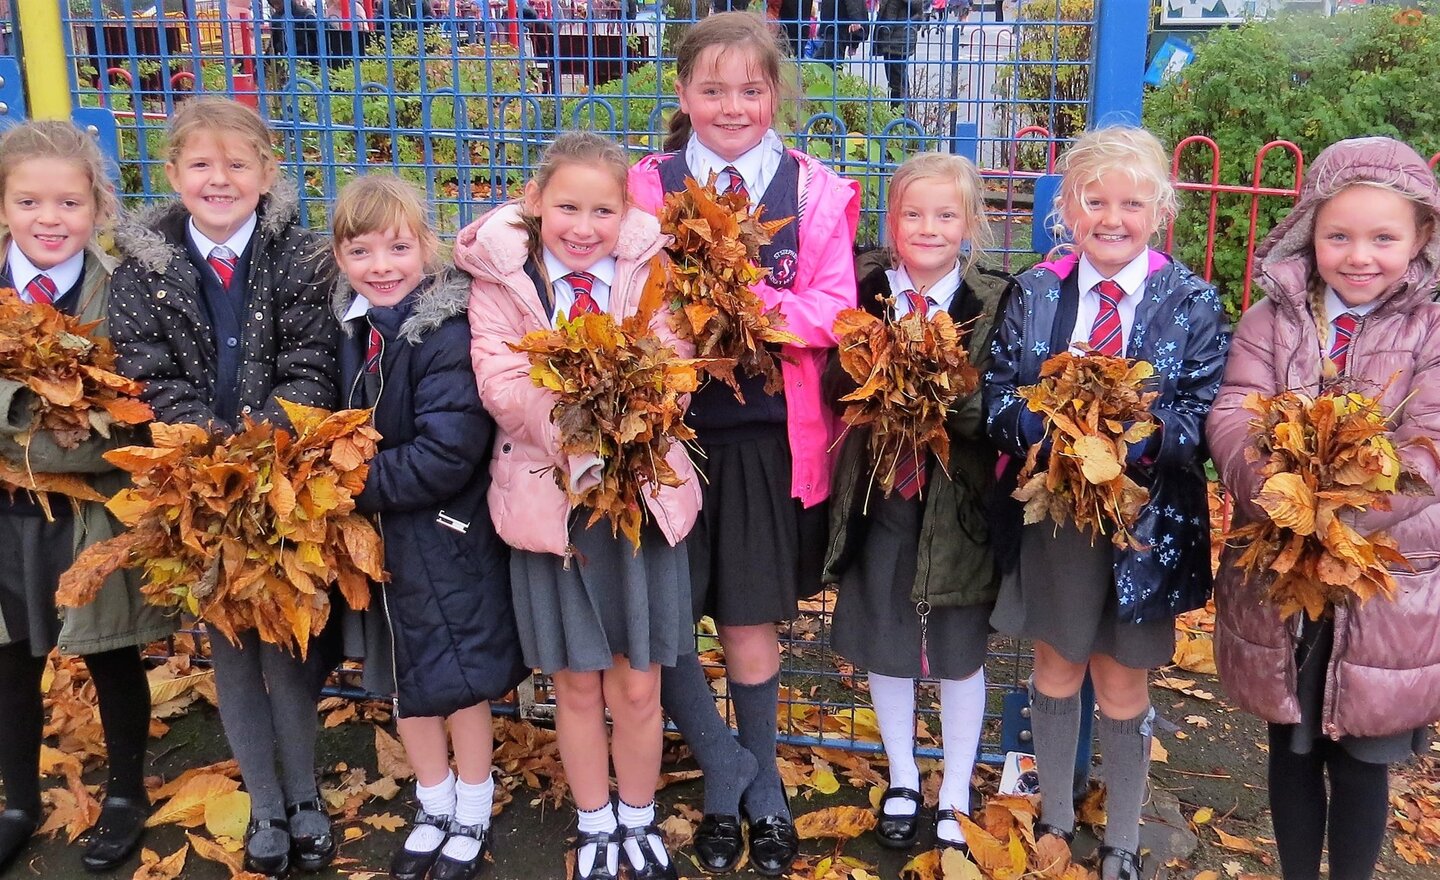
(569, 555)
(922, 608)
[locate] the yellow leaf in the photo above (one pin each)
(390, 756)
(1238, 844)
(1202, 815)
(153, 867)
(385, 822)
(353, 833)
(824, 781)
(843, 822)
(206, 848)
(1158, 755)
(228, 814)
(187, 806)
(1097, 459)
(954, 866)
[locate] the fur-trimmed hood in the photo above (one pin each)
(447, 295)
(1287, 256)
(498, 242)
(142, 236)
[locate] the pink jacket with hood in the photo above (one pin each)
(530, 511)
(1384, 674)
(824, 286)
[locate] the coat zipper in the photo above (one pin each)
(380, 525)
(1328, 709)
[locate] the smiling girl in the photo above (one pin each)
(760, 543)
(594, 613)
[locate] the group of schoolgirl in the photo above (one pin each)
(224, 303)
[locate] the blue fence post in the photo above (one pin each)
(1122, 28)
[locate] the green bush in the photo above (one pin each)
(1307, 79)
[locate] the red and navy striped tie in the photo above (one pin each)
(583, 283)
(918, 303)
(372, 352)
(1345, 325)
(41, 289)
(223, 262)
(910, 468)
(1105, 335)
(736, 183)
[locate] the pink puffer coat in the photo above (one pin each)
(1384, 674)
(530, 511)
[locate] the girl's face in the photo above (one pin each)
(50, 209)
(579, 210)
(1112, 220)
(220, 178)
(929, 229)
(384, 267)
(1365, 238)
(730, 102)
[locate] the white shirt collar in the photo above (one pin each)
(941, 293)
(1131, 278)
(757, 165)
(359, 308)
(236, 243)
(603, 270)
(22, 271)
(1335, 306)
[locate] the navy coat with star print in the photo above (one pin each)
(1180, 327)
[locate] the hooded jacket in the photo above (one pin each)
(447, 603)
(1384, 672)
(1180, 328)
(164, 337)
(824, 286)
(119, 616)
(531, 512)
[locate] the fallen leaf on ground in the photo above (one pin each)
(153, 867)
(843, 822)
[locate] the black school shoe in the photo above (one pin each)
(719, 843)
(116, 834)
(651, 869)
(271, 861)
(409, 865)
(600, 867)
(773, 844)
(898, 830)
(16, 829)
(447, 868)
(313, 849)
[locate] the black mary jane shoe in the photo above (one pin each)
(600, 868)
(447, 868)
(719, 843)
(652, 869)
(409, 865)
(116, 834)
(313, 852)
(1130, 863)
(941, 843)
(276, 865)
(16, 829)
(773, 844)
(898, 831)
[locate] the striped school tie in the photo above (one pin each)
(223, 262)
(1345, 325)
(737, 183)
(1105, 332)
(372, 352)
(41, 289)
(919, 303)
(583, 283)
(910, 470)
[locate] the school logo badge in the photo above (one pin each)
(782, 273)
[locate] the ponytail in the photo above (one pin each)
(679, 134)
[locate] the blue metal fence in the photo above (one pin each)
(461, 96)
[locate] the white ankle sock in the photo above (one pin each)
(437, 800)
(640, 817)
(472, 807)
(593, 822)
(962, 712)
(894, 701)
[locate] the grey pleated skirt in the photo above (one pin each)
(1062, 593)
(875, 625)
(610, 601)
(33, 555)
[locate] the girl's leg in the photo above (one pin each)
(894, 701)
(245, 715)
(1055, 722)
(584, 746)
(23, 708)
(1359, 808)
(124, 696)
(428, 751)
(752, 663)
(291, 685)
(474, 738)
(1124, 733)
(1297, 804)
(633, 696)
(728, 767)
(962, 712)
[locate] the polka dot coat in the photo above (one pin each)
(164, 337)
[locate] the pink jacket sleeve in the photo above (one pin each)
(520, 407)
(1248, 369)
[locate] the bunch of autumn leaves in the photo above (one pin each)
(246, 530)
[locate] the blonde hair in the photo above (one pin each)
(730, 31)
(217, 115)
(381, 202)
(56, 139)
(577, 148)
(965, 177)
(1123, 149)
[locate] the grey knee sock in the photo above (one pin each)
(1125, 754)
(290, 682)
(689, 702)
(1056, 725)
(755, 706)
(245, 715)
